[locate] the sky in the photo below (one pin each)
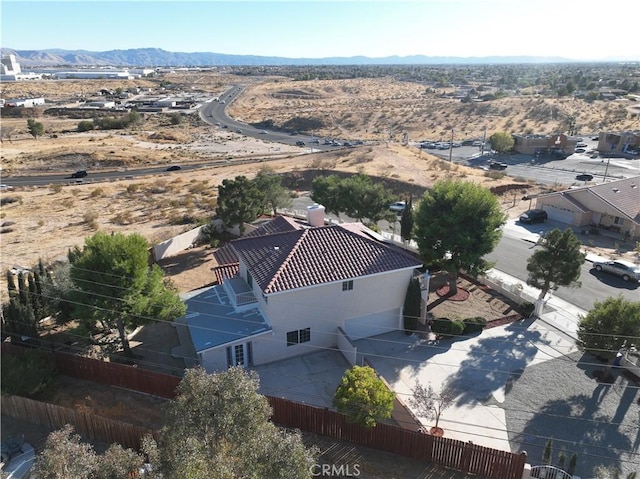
(571, 29)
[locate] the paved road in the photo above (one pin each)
(511, 257)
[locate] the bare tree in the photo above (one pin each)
(429, 404)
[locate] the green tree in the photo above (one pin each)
(327, 191)
(35, 128)
(556, 263)
(363, 397)
(27, 374)
(547, 453)
(239, 202)
(115, 286)
(57, 289)
(609, 326)
(85, 125)
(501, 141)
(429, 404)
(275, 195)
(218, 426)
(412, 305)
(457, 224)
(573, 461)
(364, 199)
(407, 221)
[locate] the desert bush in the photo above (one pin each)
(57, 188)
(96, 193)
(132, 188)
(122, 218)
(198, 188)
(90, 219)
(494, 175)
(4, 230)
(7, 200)
(474, 325)
(85, 125)
(447, 327)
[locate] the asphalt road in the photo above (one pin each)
(511, 257)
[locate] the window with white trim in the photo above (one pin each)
(298, 336)
(347, 285)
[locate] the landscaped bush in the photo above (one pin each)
(474, 325)
(526, 309)
(447, 327)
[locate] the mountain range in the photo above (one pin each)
(156, 57)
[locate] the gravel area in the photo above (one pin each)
(560, 399)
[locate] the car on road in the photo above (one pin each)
(79, 174)
(496, 165)
(624, 269)
(582, 145)
(584, 177)
(580, 150)
(299, 143)
(294, 133)
(5, 187)
(263, 132)
(315, 141)
(239, 131)
(533, 216)
(398, 206)
(174, 168)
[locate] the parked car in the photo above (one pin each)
(533, 216)
(580, 150)
(315, 141)
(239, 131)
(300, 143)
(79, 174)
(582, 145)
(496, 165)
(174, 168)
(294, 133)
(584, 177)
(624, 269)
(398, 206)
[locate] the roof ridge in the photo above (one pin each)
(285, 263)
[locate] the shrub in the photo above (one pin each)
(97, 192)
(132, 188)
(447, 327)
(10, 199)
(27, 375)
(526, 309)
(474, 325)
(85, 125)
(57, 188)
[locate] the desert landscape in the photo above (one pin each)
(44, 222)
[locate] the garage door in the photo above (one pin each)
(559, 214)
(373, 324)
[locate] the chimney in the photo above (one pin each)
(315, 215)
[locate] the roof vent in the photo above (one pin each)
(616, 190)
(633, 185)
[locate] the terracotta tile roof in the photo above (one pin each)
(226, 271)
(308, 257)
(227, 255)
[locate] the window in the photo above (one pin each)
(292, 338)
(618, 221)
(347, 285)
(305, 335)
(299, 336)
(239, 354)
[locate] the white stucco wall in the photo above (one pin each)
(324, 309)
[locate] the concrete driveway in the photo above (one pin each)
(480, 368)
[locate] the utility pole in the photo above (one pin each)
(451, 146)
(484, 136)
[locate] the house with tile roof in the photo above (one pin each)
(614, 206)
(296, 288)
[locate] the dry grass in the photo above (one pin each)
(49, 220)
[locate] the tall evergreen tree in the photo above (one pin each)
(406, 221)
(412, 303)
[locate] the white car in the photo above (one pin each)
(625, 269)
(398, 206)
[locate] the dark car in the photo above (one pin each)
(300, 143)
(174, 168)
(294, 133)
(584, 177)
(79, 174)
(496, 165)
(580, 150)
(533, 216)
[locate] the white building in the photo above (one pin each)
(94, 75)
(291, 288)
(10, 70)
(22, 102)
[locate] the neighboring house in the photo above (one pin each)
(621, 142)
(558, 145)
(293, 286)
(23, 102)
(614, 205)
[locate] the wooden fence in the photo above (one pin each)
(86, 424)
(465, 457)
